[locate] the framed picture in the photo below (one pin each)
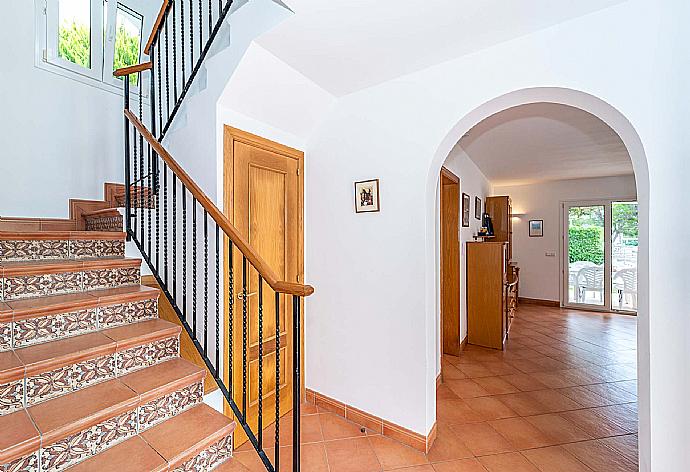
(477, 208)
(536, 228)
(367, 196)
(465, 210)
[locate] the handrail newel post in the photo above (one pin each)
(154, 156)
(128, 209)
(296, 383)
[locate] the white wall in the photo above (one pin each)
(474, 183)
(539, 273)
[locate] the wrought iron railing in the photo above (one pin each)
(167, 215)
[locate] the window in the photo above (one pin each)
(89, 39)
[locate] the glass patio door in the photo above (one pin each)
(600, 255)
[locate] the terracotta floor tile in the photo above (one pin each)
(496, 385)
(466, 388)
(475, 370)
(598, 457)
(510, 462)
(593, 424)
(447, 446)
(336, 427)
(624, 445)
(554, 459)
(490, 408)
(394, 455)
(463, 465)
(584, 396)
(451, 372)
(624, 415)
(612, 392)
(554, 401)
(417, 468)
(443, 392)
(558, 429)
(523, 404)
(524, 382)
(312, 458)
(351, 455)
(482, 439)
(456, 412)
(521, 434)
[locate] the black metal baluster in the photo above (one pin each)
(165, 223)
(154, 158)
(217, 301)
(210, 16)
(158, 230)
(128, 210)
(167, 69)
(231, 306)
(244, 338)
(141, 162)
(174, 236)
(149, 181)
(191, 32)
(201, 29)
(174, 48)
(184, 251)
(205, 282)
(160, 88)
(296, 382)
(261, 361)
(194, 266)
(276, 464)
(135, 163)
(182, 49)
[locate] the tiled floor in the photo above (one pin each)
(560, 398)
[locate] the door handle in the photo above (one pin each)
(241, 295)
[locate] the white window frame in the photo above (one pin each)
(110, 36)
(102, 46)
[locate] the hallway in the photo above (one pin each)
(560, 398)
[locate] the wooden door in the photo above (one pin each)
(263, 199)
(450, 263)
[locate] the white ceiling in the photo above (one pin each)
(348, 45)
(545, 141)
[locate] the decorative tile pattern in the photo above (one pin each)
(26, 286)
(79, 322)
(33, 250)
(5, 336)
(108, 223)
(93, 371)
(37, 330)
(146, 355)
(209, 458)
(114, 431)
(11, 397)
(91, 249)
(68, 451)
(125, 313)
(24, 464)
(48, 385)
(108, 278)
(165, 407)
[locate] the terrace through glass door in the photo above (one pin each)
(600, 255)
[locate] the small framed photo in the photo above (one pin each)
(465, 210)
(536, 228)
(477, 208)
(367, 196)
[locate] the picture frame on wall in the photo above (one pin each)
(536, 228)
(477, 208)
(465, 210)
(367, 196)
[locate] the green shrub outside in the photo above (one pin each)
(586, 243)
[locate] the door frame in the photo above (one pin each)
(455, 180)
(607, 203)
(230, 136)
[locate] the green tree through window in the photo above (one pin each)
(126, 51)
(75, 43)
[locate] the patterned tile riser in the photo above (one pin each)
(27, 286)
(11, 397)
(27, 463)
(146, 355)
(209, 458)
(5, 338)
(163, 408)
(110, 223)
(60, 249)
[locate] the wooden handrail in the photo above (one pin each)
(281, 286)
(156, 25)
(133, 69)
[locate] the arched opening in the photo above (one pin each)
(630, 141)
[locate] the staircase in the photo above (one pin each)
(90, 377)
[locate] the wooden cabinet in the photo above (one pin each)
(488, 318)
(499, 209)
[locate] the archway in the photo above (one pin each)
(622, 126)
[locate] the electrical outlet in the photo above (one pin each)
(550, 254)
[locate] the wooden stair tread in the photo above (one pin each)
(189, 433)
(19, 436)
(101, 213)
(132, 455)
(161, 379)
(51, 304)
(63, 416)
(18, 268)
(61, 235)
(140, 333)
